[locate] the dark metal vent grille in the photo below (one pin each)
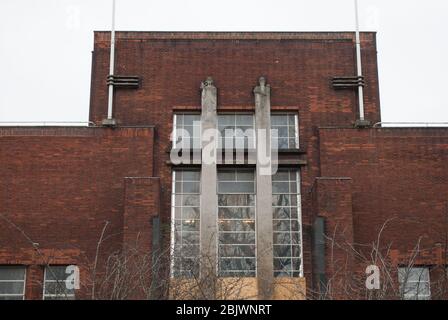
(347, 82)
(124, 81)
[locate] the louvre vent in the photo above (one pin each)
(132, 82)
(348, 82)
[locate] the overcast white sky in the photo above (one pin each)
(45, 46)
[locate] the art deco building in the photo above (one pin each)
(136, 199)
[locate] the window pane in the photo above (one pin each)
(236, 125)
(237, 238)
(237, 264)
(56, 273)
(236, 213)
(278, 120)
(236, 187)
(236, 200)
(11, 287)
(12, 273)
(187, 131)
(227, 175)
(189, 213)
(186, 223)
(12, 282)
(414, 283)
(236, 250)
(286, 128)
(244, 120)
(286, 225)
(237, 225)
(58, 287)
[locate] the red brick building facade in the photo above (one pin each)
(77, 195)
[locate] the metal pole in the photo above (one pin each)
(359, 65)
(112, 63)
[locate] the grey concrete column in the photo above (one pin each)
(265, 262)
(209, 198)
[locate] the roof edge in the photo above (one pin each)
(234, 35)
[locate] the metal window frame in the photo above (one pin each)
(417, 295)
(238, 273)
(298, 207)
(288, 125)
(235, 114)
(65, 295)
(175, 115)
(24, 282)
(174, 220)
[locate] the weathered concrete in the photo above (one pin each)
(265, 268)
(209, 198)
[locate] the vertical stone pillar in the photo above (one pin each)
(209, 197)
(265, 261)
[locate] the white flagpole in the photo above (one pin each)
(112, 64)
(359, 65)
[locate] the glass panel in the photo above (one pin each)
(190, 187)
(190, 237)
(284, 264)
(226, 120)
(281, 176)
(56, 273)
(280, 187)
(278, 120)
(11, 287)
(282, 251)
(190, 225)
(286, 226)
(236, 187)
(282, 225)
(245, 120)
(186, 223)
(236, 213)
(286, 128)
(18, 297)
(237, 225)
(237, 238)
(227, 175)
(57, 287)
(191, 176)
(237, 264)
(282, 238)
(12, 273)
(236, 200)
(190, 213)
(281, 213)
(189, 119)
(236, 250)
(282, 143)
(190, 200)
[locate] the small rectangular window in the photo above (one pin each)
(57, 286)
(12, 282)
(187, 131)
(185, 228)
(414, 283)
(236, 223)
(287, 128)
(236, 131)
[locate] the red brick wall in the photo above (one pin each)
(50, 174)
(298, 66)
(333, 201)
(142, 203)
(60, 186)
(400, 176)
